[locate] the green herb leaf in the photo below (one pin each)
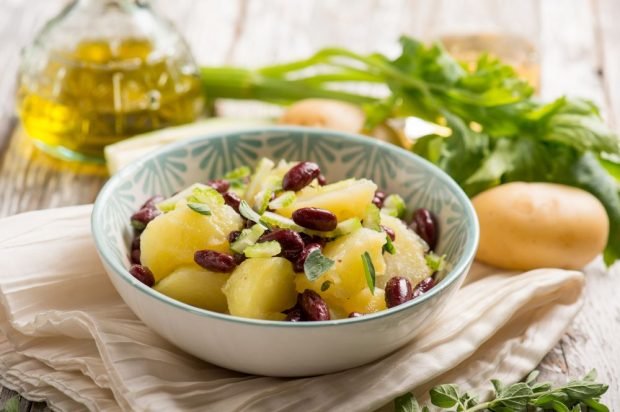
(445, 396)
(515, 397)
(12, 405)
(595, 405)
(316, 264)
(199, 208)
(389, 246)
(406, 403)
(325, 285)
(369, 271)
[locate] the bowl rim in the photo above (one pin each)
(458, 269)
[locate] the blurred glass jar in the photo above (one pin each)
(497, 27)
(102, 71)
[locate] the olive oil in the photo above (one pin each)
(512, 49)
(103, 91)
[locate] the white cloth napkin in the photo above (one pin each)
(67, 338)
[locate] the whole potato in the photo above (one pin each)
(533, 225)
(325, 113)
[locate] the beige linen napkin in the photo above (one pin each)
(66, 336)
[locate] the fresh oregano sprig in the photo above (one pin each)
(575, 396)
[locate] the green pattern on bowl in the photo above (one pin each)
(340, 156)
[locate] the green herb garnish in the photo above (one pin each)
(199, 208)
(575, 396)
(369, 271)
(325, 285)
(12, 405)
(316, 264)
(389, 246)
(499, 131)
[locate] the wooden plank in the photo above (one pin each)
(608, 47)
(570, 64)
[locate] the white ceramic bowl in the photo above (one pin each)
(270, 347)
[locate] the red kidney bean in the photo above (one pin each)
(388, 231)
(294, 315)
(249, 223)
(135, 251)
(215, 261)
(379, 198)
(233, 236)
(322, 180)
(398, 290)
(300, 176)
(291, 243)
(232, 200)
(142, 217)
(355, 315)
(135, 256)
(143, 274)
(424, 286)
(298, 265)
(220, 185)
(425, 225)
(313, 307)
(238, 258)
(315, 219)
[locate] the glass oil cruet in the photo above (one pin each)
(102, 71)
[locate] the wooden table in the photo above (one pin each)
(579, 49)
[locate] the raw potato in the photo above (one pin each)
(325, 113)
(533, 225)
(336, 115)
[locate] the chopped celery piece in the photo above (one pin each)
(263, 250)
(284, 200)
(238, 173)
(263, 168)
(170, 203)
(435, 262)
(394, 205)
(206, 195)
(262, 200)
(248, 237)
(372, 220)
(345, 227)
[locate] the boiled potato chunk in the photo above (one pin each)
(532, 225)
(170, 240)
(365, 302)
(347, 275)
(261, 288)
(409, 259)
(346, 199)
(196, 286)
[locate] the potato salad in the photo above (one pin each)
(282, 243)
